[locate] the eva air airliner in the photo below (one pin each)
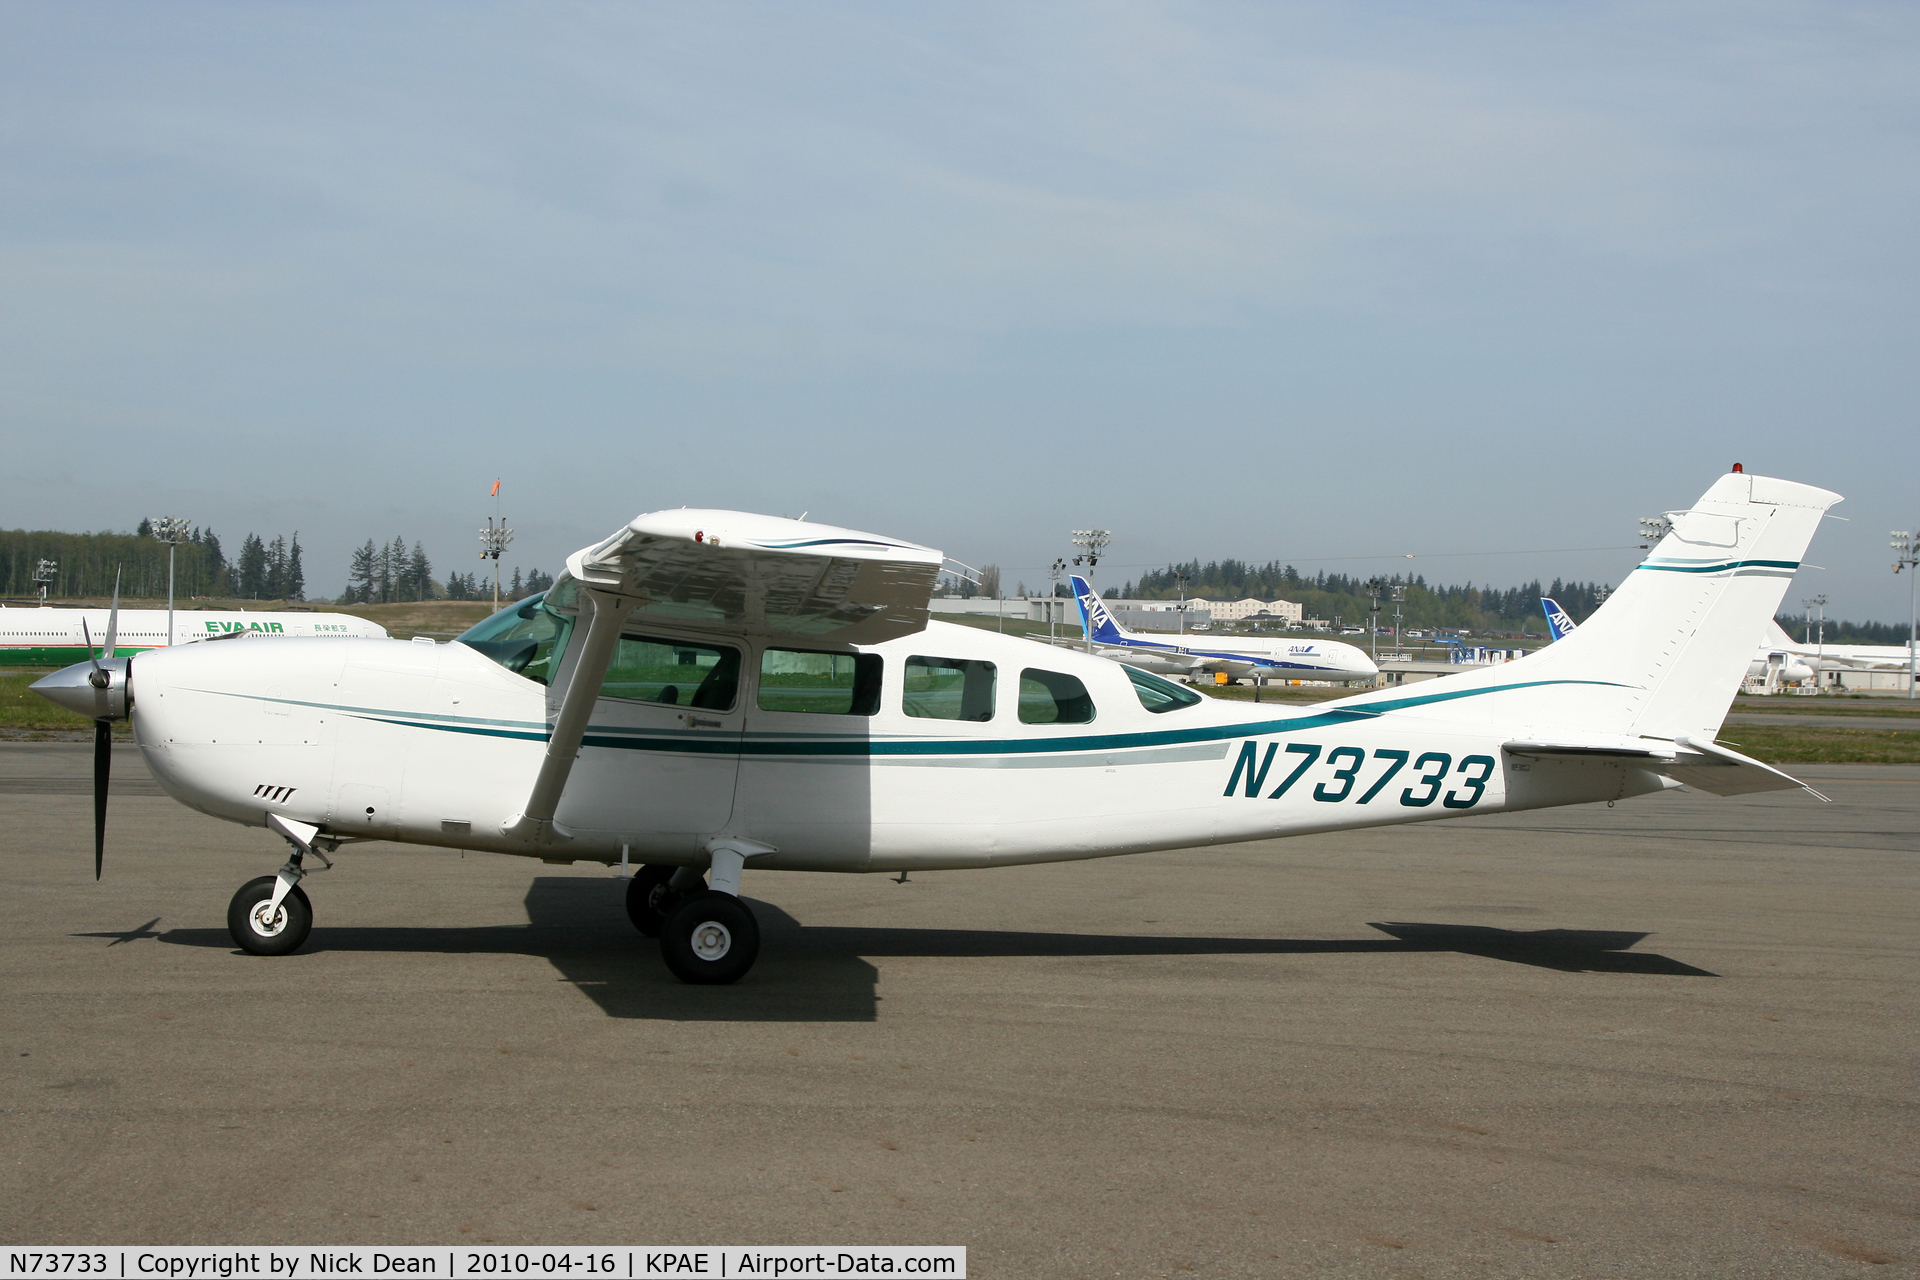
(1281, 659)
(51, 637)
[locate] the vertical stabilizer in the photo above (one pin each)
(1559, 625)
(1096, 620)
(1665, 655)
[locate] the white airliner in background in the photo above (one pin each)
(54, 637)
(1785, 657)
(1278, 659)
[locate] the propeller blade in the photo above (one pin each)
(102, 766)
(113, 616)
(87, 635)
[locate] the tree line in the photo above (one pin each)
(88, 563)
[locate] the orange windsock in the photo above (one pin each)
(496, 490)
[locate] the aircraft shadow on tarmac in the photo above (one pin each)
(823, 973)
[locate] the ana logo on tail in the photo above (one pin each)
(1557, 620)
(1095, 619)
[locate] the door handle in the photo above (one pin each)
(696, 722)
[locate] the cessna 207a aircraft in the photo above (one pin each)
(1327, 660)
(706, 691)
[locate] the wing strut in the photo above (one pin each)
(535, 821)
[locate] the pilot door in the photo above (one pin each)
(662, 752)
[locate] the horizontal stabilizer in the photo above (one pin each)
(1725, 772)
(1704, 766)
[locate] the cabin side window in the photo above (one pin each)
(947, 689)
(834, 684)
(1050, 697)
(673, 673)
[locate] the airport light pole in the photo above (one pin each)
(1399, 644)
(1907, 556)
(1092, 544)
(172, 531)
(43, 575)
(494, 540)
(1818, 604)
(1180, 580)
(1373, 616)
(1055, 572)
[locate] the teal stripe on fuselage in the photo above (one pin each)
(695, 741)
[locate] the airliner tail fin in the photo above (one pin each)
(1096, 620)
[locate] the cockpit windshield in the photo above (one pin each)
(527, 637)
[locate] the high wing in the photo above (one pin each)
(735, 574)
(725, 573)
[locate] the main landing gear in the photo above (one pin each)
(271, 916)
(707, 935)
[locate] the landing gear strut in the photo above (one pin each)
(654, 892)
(709, 938)
(271, 916)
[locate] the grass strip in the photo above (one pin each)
(1790, 744)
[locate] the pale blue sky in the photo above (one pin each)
(1259, 280)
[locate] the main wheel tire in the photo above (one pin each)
(710, 938)
(251, 929)
(649, 900)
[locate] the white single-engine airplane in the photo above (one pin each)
(1327, 660)
(706, 691)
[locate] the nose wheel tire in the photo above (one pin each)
(254, 930)
(649, 899)
(710, 939)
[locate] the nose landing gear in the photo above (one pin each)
(271, 916)
(265, 927)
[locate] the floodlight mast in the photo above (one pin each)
(494, 540)
(1055, 572)
(1812, 604)
(1907, 556)
(1373, 615)
(43, 575)
(171, 531)
(1180, 580)
(1092, 543)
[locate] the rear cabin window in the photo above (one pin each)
(673, 673)
(1158, 695)
(833, 684)
(1048, 697)
(948, 689)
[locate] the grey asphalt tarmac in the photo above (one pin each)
(1672, 1038)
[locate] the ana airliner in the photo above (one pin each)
(1242, 656)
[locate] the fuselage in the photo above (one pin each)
(979, 750)
(56, 636)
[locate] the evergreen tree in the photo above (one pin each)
(251, 574)
(419, 575)
(363, 575)
(513, 590)
(296, 578)
(145, 529)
